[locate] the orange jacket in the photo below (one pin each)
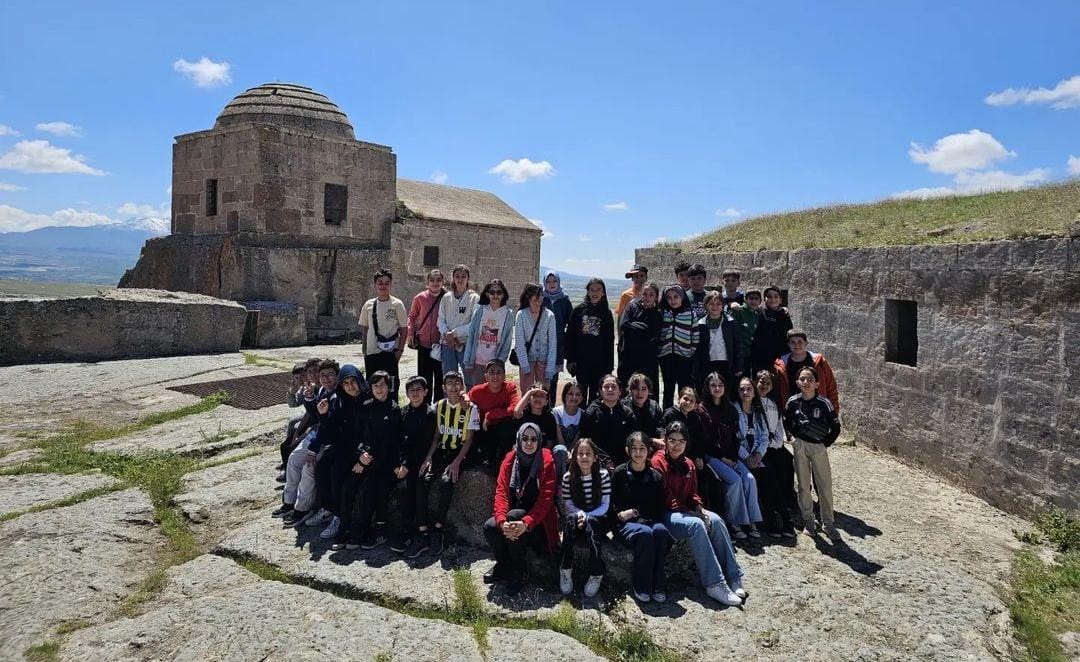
(826, 379)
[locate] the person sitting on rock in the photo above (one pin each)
(496, 399)
(787, 369)
(533, 408)
(456, 422)
(586, 493)
(812, 420)
(418, 428)
(294, 397)
(647, 412)
(524, 511)
(727, 458)
(608, 422)
(687, 412)
(687, 519)
(637, 507)
(380, 461)
(299, 495)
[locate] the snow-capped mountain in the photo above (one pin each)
(94, 254)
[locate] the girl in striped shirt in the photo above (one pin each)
(678, 340)
(586, 492)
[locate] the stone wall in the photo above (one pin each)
(491, 252)
(271, 179)
(119, 324)
(991, 403)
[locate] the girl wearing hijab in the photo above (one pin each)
(524, 509)
(559, 304)
(687, 519)
(590, 340)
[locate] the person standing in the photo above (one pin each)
(535, 344)
(770, 336)
(489, 332)
(637, 275)
(455, 316)
(677, 343)
(423, 332)
(639, 339)
(590, 340)
(383, 325)
(558, 303)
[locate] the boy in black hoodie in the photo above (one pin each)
(418, 429)
(590, 340)
(341, 428)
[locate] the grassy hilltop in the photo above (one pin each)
(1038, 212)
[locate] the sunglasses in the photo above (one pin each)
(530, 437)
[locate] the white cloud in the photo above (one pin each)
(1074, 165)
(584, 237)
(205, 72)
(730, 212)
(1066, 94)
(133, 209)
(18, 220)
(6, 130)
(958, 152)
(970, 183)
(39, 156)
(440, 177)
(616, 206)
(11, 188)
(522, 170)
(613, 268)
(540, 224)
(59, 128)
(168, 190)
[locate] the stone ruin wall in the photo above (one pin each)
(992, 403)
(509, 254)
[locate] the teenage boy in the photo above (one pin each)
(732, 293)
(380, 462)
(696, 275)
(383, 325)
(637, 275)
(423, 332)
(496, 400)
(746, 318)
(456, 421)
(299, 495)
(787, 369)
(297, 427)
(418, 429)
(811, 419)
(682, 275)
(455, 317)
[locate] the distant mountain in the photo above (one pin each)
(96, 254)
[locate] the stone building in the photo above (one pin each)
(280, 203)
(959, 358)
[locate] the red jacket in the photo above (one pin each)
(494, 407)
(543, 511)
(680, 491)
(826, 380)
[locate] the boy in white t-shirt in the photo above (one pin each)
(383, 327)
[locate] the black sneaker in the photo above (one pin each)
(436, 545)
(400, 543)
(372, 539)
(280, 477)
(513, 587)
(282, 510)
(295, 517)
(280, 467)
(495, 574)
(788, 530)
(420, 544)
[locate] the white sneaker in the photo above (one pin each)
(737, 589)
(566, 581)
(592, 586)
(320, 518)
(722, 594)
(659, 596)
(331, 531)
(641, 597)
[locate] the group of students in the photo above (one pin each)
(708, 466)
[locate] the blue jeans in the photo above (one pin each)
(740, 492)
(650, 543)
(561, 455)
(712, 550)
(455, 360)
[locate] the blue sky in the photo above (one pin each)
(677, 116)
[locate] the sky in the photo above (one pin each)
(611, 125)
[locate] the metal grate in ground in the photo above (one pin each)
(254, 392)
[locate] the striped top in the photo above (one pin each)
(590, 507)
(678, 333)
(453, 424)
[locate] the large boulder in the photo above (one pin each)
(122, 323)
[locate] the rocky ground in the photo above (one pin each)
(921, 572)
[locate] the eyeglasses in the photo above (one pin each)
(496, 293)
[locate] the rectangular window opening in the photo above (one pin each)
(335, 203)
(431, 256)
(901, 331)
(211, 197)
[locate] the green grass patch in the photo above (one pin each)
(468, 609)
(1036, 212)
(60, 503)
(46, 652)
(1045, 599)
(251, 358)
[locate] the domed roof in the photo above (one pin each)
(288, 105)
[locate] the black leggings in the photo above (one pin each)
(676, 370)
(510, 554)
(590, 535)
(436, 475)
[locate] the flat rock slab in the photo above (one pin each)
(220, 429)
(26, 490)
(214, 609)
(916, 578)
(228, 491)
(70, 563)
